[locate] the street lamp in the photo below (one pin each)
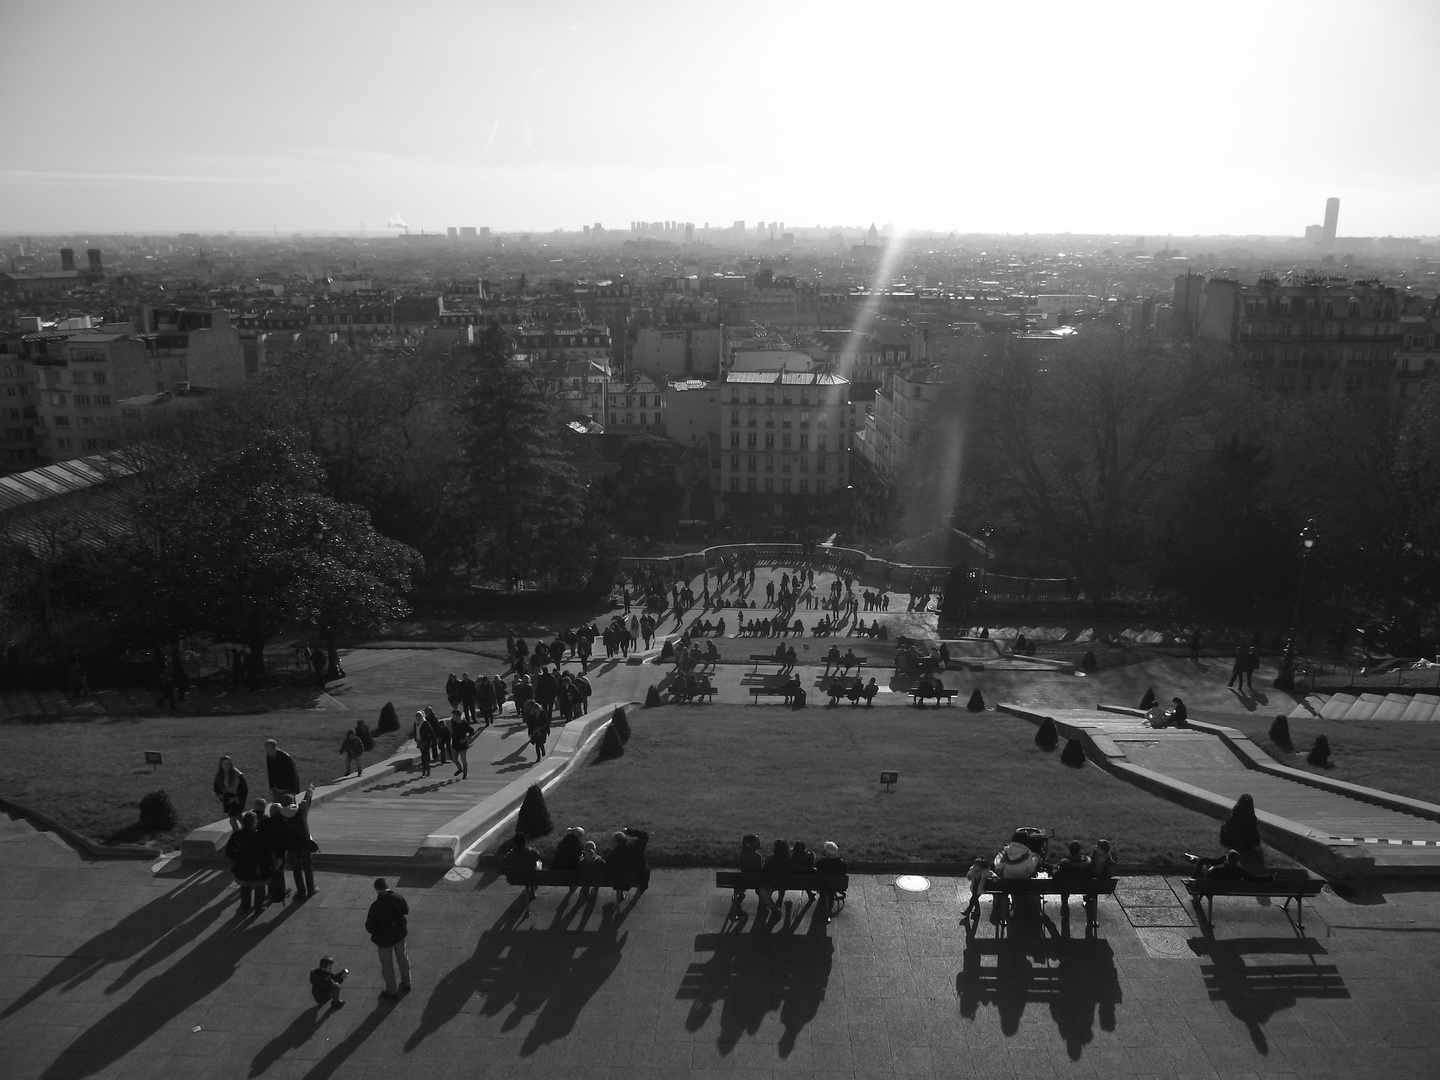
(332, 655)
(1286, 679)
(985, 531)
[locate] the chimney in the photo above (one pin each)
(94, 256)
(67, 258)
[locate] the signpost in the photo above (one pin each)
(887, 778)
(153, 758)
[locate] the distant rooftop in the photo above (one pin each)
(787, 378)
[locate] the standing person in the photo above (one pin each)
(295, 838)
(249, 861)
(1252, 665)
(280, 770)
(462, 733)
(425, 740)
(1195, 644)
(452, 690)
(270, 826)
(167, 686)
(232, 790)
(485, 699)
(441, 733)
(467, 696)
(1237, 669)
(388, 924)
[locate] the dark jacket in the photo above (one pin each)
(282, 774)
(467, 691)
(249, 856)
(836, 867)
(630, 858)
(386, 923)
(751, 861)
(234, 804)
(567, 853)
(294, 828)
(521, 860)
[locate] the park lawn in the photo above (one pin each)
(89, 774)
(700, 778)
(1402, 758)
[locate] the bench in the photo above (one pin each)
(706, 691)
(1042, 887)
(571, 879)
(844, 686)
(1291, 888)
(774, 686)
(919, 694)
(765, 658)
(833, 886)
(842, 668)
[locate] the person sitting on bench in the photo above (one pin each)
(802, 861)
(1226, 868)
(851, 660)
(777, 865)
(1102, 860)
(752, 861)
(1074, 867)
(871, 689)
(521, 859)
(796, 692)
(567, 851)
(976, 875)
(1016, 861)
(832, 657)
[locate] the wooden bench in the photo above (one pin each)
(765, 658)
(707, 691)
(774, 686)
(571, 879)
(1004, 891)
(841, 668)
(832, 886)
(1291, 888)
(918, 695)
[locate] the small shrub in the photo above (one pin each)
(652, 697)
(389, 719)
(1148, 701)
(1088, 662)
(1074, 753)
(534, 817)
(1280, 733)
(1047, 735)
(977, 701)
(157, 812)
(610, 744)
(1319, 753)
(621, 723)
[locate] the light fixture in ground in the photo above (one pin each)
(912, 883)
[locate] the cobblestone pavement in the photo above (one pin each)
(108, 969)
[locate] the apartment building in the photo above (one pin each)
(903, 406)
(18, 445)
(782, 442)
(635, 408)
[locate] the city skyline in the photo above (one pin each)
(1102, 121)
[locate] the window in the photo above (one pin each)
(785, 441)
(769, 484)
(752, 464)
(769, 440)
(805, 419)
(750, 440)
(629, 418)
(79, 378)
(819, 464)
(735, 395)
(804, 463)
(82, 401)
(734, 417)
(785, 485)
(734, 440)
(89, 444)
(750, 418)
(750, 483)
(642, 419)
(58, 399)
(820, 443)
(804, 485)
(614, 418)
(804, 440)
(734, 483)
(735, 462)
(819, 487)
(62, 421)
(820, 422)
(62, 444)
(85, 421)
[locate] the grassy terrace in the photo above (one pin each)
(699, 779)
(90, 774)
(1403, 758)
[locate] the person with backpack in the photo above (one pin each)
(387, 924)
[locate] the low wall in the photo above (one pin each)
(831, 558)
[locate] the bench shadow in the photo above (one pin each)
(200, 972)
(145, 937)
(1255, 992)
(759, 966)
(550, 972)
(1075, 977)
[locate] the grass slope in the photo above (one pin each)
(699, 781)
(1402, 758)
(90, 774)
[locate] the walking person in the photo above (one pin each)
(462, 734)
(280, 770)
(1252, 664)
(352, 748)
(295, 838)
(425, 739)
(468, 695)
(1237, 669)
(387, 923)
(1195, 645)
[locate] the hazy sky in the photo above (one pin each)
(1147, 118)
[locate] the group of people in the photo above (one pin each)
(854, 690)
(787, 859)
(440, 742)
(1026, 856)
(1242, 671)
(627, 855)
(271, 834)
(841, 664)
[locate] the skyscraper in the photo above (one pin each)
(1332, 218)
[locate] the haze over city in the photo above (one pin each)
(1240, 119)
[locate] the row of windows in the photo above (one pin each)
(752, 438)
(1286, 307)
(751, 485)
(630, 419)
(630, 403)
(786, 419)
(12, 371)
(85, 444)
(81, 378)
(787, 464)
(23, 390)
(786, 396)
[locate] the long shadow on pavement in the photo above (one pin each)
(754, 972)
(149, 934)
(1074, 977)
(551, 971)
(1255, 992)
(292, 1038)
(201, 971)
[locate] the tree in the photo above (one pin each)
(526, 501)
(1078, 439)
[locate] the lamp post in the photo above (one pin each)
(332, 656)
(985, 531)
(1286, 678)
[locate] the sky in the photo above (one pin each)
(1147, 118)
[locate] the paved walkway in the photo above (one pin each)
(108, 971)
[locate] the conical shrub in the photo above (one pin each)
(610, 744)
(1148, 701)
(534, 818)
(976, 702)
(1088, 662)
(1047, 735)
(389, 719)
(1280, 733)
(652, 697)
(1074, 753)
(667, 651)
(1319, 753)
(621, 723)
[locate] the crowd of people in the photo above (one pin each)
(269, 836)
(518, 857)
(789, 859)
